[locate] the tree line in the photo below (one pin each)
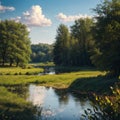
(88, 42)
(41, 53)
(94, 41)
(16, 48)
(73, 48)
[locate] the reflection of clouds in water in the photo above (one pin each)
(53, 104)
(37, 94)
(49, 112)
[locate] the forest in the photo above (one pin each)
(41, 53)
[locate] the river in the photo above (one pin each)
(53, 104)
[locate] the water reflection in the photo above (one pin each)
(56, 104)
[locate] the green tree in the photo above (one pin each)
(107, 37)
(42, 53)
(61, 47)
(81, 31)
(14, 43)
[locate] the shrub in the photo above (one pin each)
(109, 107)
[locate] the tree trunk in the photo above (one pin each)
(3, 63)
(17, 63)
(11, 62)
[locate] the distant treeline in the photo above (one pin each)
(41, 53)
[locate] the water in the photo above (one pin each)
(48, 71)
(55, 104)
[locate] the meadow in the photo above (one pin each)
(20, 71)
(14, 82)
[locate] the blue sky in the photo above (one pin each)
(43, 17)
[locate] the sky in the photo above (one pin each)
(42, 17)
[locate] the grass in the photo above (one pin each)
(13, 107)
(20, 71)
(57, 81)
(84, 80)
(99, 85)
(12, 102)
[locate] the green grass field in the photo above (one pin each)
(11, 79)
(57, 81)
(20, 71)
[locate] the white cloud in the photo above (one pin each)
(6, 8)
(34, 17)
(64, 18)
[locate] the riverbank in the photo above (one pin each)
(13, 87)
(84, 81)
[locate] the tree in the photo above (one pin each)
(107, 37)
(61, 47)
(42, 53)
(14, 43)
(81, 31)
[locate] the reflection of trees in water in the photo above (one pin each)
(47, 88)
(80, 100)
(63, 96)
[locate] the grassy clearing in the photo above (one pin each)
(20, 71)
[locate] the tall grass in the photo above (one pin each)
(58, 81)
(13, 107)
(20, 71)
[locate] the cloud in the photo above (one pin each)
(6, 8)
(34, 17)
(64, 18)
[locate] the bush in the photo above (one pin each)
(109, 107)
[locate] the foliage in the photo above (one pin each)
(109, 107)
(73, 49)
(41, 53)
(14, 43)
(107, 37)
(83, 41)
(61, 47)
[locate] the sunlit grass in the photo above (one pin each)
(13, 107)
(19, 71)
(58, 81)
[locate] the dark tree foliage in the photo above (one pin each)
(107, 37)
(61, 47)
(81, 31)
(41, 53)
(14, 43)
(73, 49)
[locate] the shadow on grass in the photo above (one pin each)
(98, 85)
(16, 113)
(14, 106)
(68, 69)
